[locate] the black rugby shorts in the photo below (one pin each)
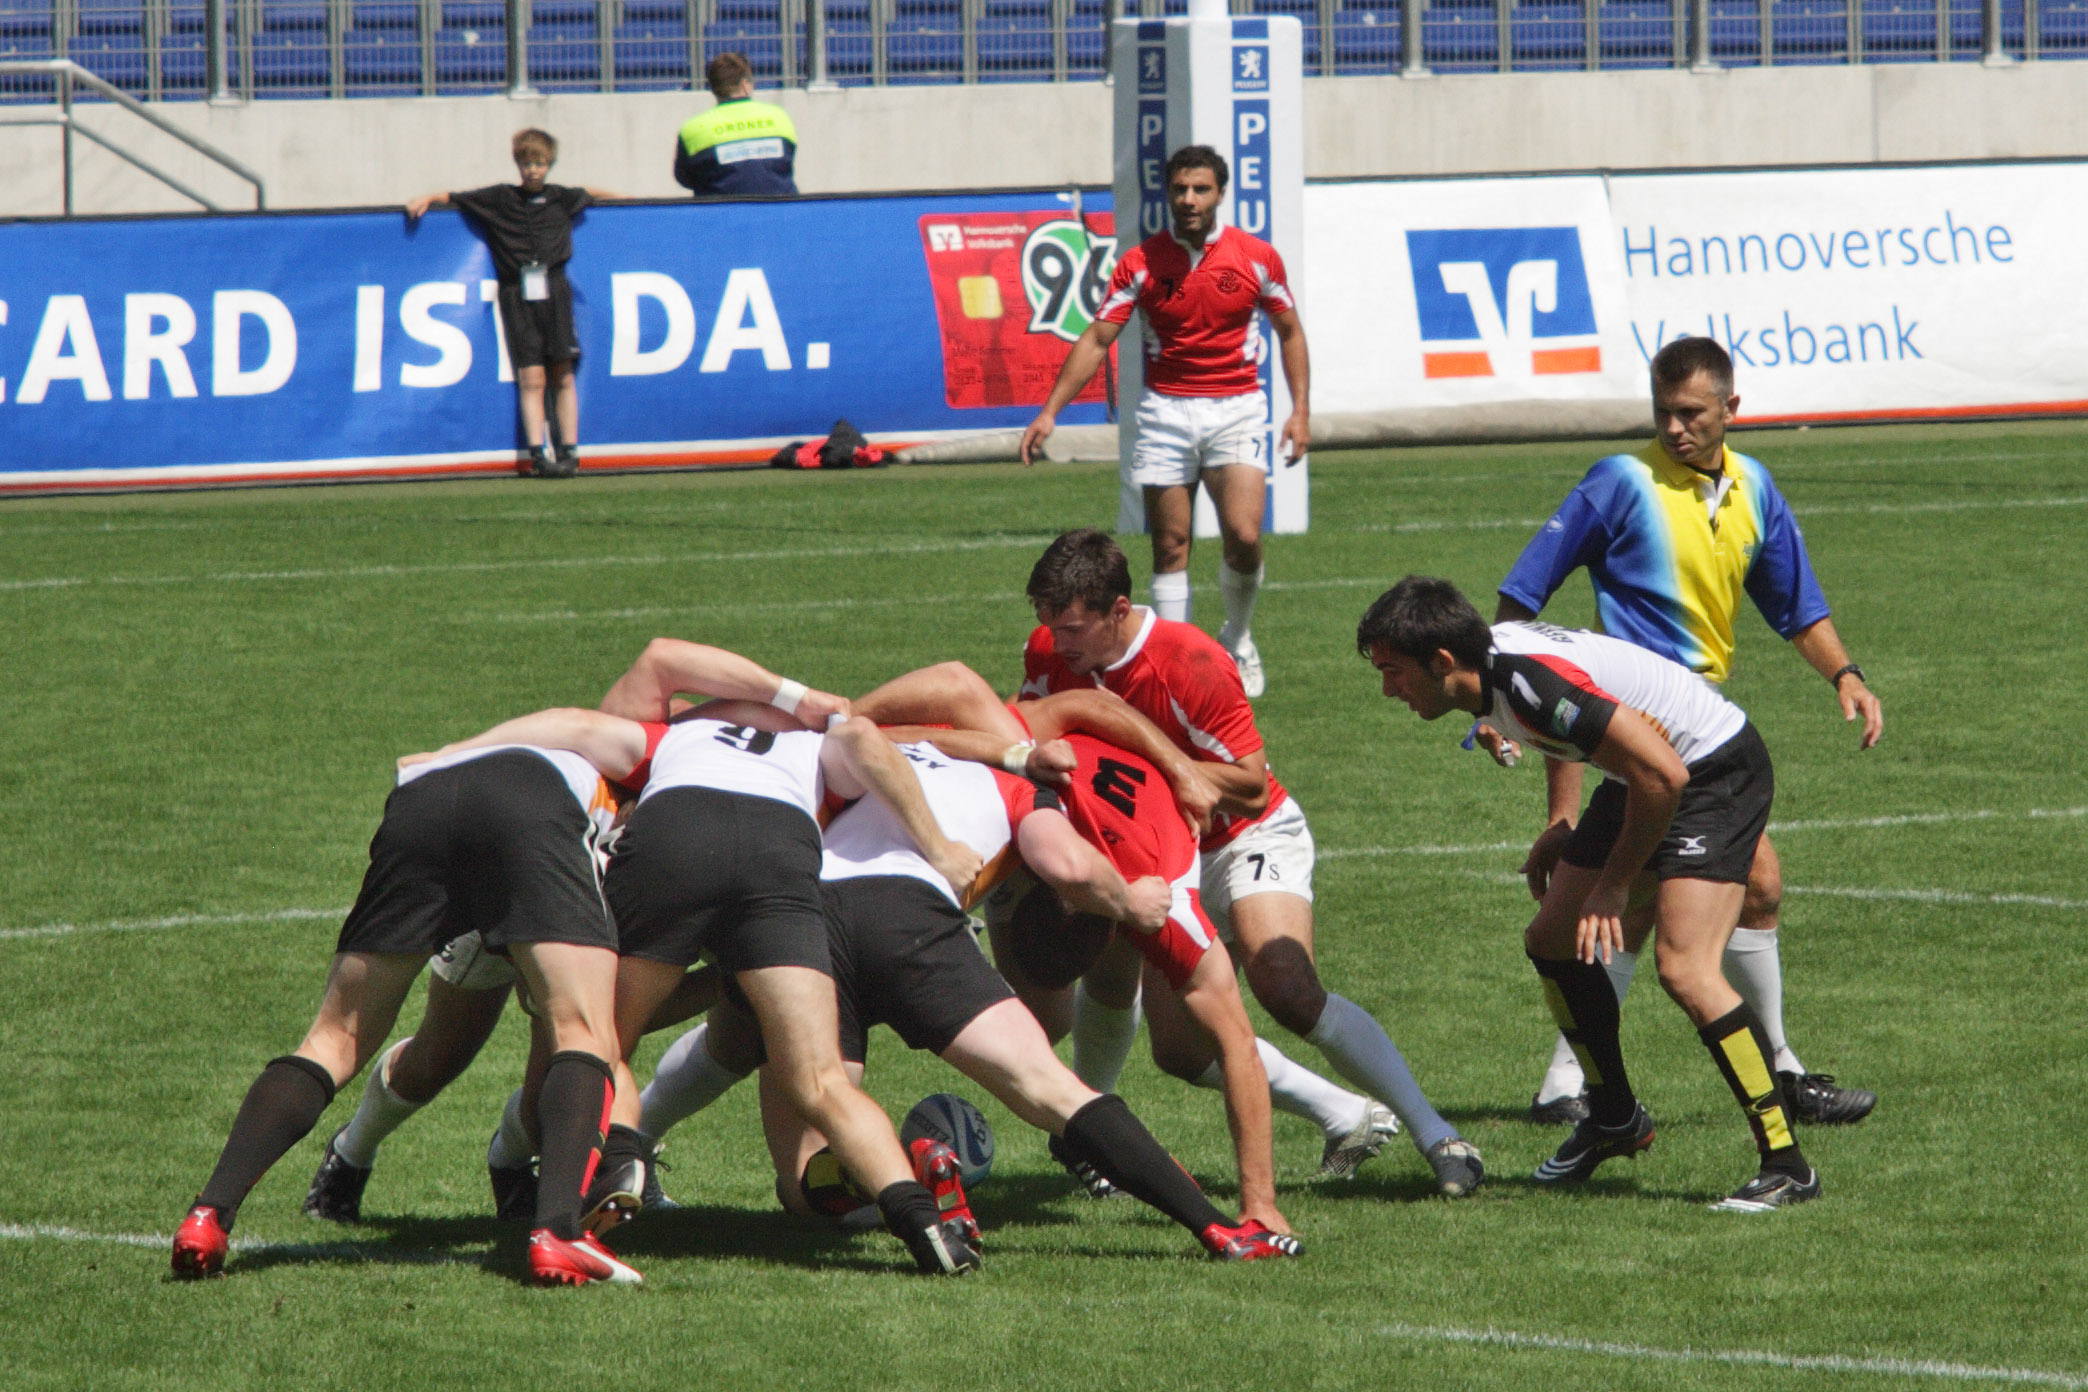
(905, 956)
(1722, 814)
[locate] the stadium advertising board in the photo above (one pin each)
(1879, 293)
(1465, 293)
(226, 349)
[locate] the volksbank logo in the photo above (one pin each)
(1503, 302)
(1065, 273)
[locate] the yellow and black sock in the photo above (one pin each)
(1740, 1048)
(1584, 1003)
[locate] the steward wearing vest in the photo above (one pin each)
(740, 146)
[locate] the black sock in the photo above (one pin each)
(908, 1207)
(284, 1103)
(573, 1120)
(1741, 1050)
(1584, 1003)
(1108, 1136)
(625, 1144)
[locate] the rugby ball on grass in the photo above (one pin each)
(959, 1125)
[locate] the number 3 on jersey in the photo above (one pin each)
(1117, 784)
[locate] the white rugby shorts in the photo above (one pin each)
(1181, 436)
(1274, 856)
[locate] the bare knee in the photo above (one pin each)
(1283, 978)
(1170, 549)
(1181, 1059)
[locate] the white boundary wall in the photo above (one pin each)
(318, 154)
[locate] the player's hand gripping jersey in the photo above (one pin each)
(1121, 805)
(1175, 675)
(979, 806)
(1199, 314)
(1556, 689)
(1670, 551)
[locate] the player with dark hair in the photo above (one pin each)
(739, 147)
(1258, 854)
(1203, 416)
(495, 836)
(1690, 791)
(1673, 536)
(904, 955)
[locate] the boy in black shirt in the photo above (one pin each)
(528, 228)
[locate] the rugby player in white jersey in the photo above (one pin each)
(1689, 797)
(720, 859)
(496, 837)
(469, 986)
(904, 955)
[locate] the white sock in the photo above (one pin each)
(380, 1113)
(1363, 1053)
(1564, 1077)
(1755, 968)
(512, 1145)
(687, 1080)
(1238, 589)
(1171, 599)
(1102, 1039)
(1298, 1090)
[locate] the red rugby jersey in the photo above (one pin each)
(1175, 675)
(1199, 312)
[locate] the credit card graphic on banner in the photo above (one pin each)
(1012, 293)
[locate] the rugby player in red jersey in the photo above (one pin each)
(1202, 417)
(1258, 854)
(1689, 795)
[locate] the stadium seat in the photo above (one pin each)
(114, 58)
(290, 66)
(294, 17)
(651, 53)
(470, 59)
(1548, 37)
(1638, 34)
(760, 40)
(1366, 38)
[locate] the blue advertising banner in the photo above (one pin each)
(166, 351)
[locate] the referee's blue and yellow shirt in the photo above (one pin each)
(1670, 551)
(740, 146)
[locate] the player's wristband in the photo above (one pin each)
(1015, 759)
(787, 696)
(1850, 670)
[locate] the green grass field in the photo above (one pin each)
(206, 693)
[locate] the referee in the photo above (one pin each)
(1672, 536)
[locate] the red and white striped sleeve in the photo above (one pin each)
(1126, 283)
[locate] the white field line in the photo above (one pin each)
(1750, 1358)
(147, 925)
(1941, 896)
(316, 1251)
(1803, 824)
(386, 572)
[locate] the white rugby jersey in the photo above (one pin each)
(976, 805)
(583, 780)
(1556, 688)
(739, 759)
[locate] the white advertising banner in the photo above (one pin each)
(1871, 293)
(1461, 293)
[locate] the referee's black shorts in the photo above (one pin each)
(497, 846)
(905, 956)
(1722, 814)
(701, 873)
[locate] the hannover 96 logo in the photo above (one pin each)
(1065, 273)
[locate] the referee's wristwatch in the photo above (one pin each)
(1851, 670)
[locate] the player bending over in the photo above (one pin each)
(497, 838)
(1258, 855)
(469, 987)
(904, 956)
(1354, 1127)
(1690, 790)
